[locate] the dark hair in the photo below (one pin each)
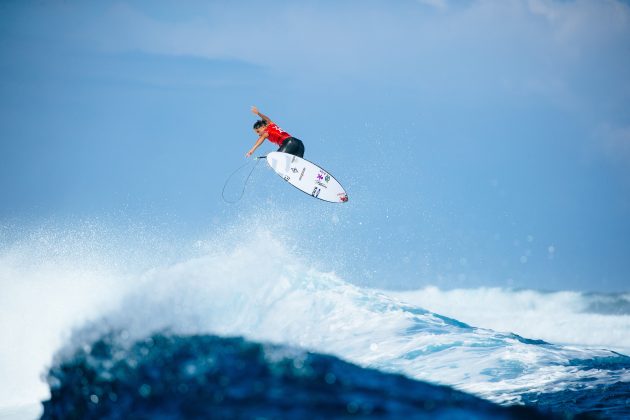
(259, 123)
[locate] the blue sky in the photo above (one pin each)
(481, 142)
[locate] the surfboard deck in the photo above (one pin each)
(307, 177)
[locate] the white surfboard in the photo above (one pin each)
(307, 177)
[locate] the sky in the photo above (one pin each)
(482, 143)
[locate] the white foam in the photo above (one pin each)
(558, 317)
(51, 281)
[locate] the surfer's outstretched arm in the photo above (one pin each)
(261, 115)
(256, 145)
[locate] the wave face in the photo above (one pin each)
(265, 291)
(165, 376)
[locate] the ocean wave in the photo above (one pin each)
(204, 376)
(262, 290)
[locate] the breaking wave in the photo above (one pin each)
(265, 292)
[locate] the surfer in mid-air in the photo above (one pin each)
(267, 129)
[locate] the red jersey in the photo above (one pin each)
(276, 134)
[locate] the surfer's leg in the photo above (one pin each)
(288, 146)
(292, 146)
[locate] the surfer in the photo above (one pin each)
(267, 129)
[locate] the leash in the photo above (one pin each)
(244, 184)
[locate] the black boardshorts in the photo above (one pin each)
(292, 146)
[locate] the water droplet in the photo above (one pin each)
(330, 378)
(352, 407)
(145, 390)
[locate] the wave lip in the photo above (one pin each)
(205, 376)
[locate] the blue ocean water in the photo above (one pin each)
(166, 376)
(270, 335)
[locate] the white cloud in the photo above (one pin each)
(438, 4)
(536, 48)
(584, 22)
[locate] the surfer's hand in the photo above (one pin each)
(255, 110)
(248, 154)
